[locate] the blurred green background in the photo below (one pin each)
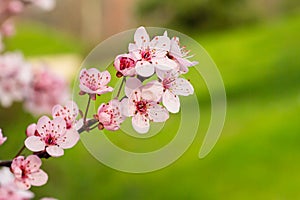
(256, 48)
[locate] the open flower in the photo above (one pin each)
(172, 86)
(93, 82)
(150, 54)
(143, 108)
(2, 139)
(9, 189)
(27, 172)
(180, 55)
(52, 136)
(125, 65)
(109, 115)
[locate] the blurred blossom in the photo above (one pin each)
(14, 78)
(7, 28)
(46, 90)
(44, 4)
(9, 190)
(15, 6)
(48, 198)
(2, 139)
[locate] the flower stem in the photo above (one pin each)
(86, 110)
(120, 88)
(20, 151)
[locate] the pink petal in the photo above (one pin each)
(171, 101)
(141, 37)
(157, 113)
(175, 48)
(144, 68)
(70, 139)
(152, 91)
(105, 78)
(55, 151)
(132, 84)
(125, 108)
(182, 87)
(43, 122)
(58, 124)
(30, 131)
(23, 184)
(34, 163)
(104, 90)
(140, 123)
(35, 144)
(39, 178)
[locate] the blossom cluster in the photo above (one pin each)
(152, 72)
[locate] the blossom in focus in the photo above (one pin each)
(9, 190)
(52, 136)
(27, 172)
(143, 109)
(180, 55)
(46, 90)
(172, 86)
(109, 115)
(94, 82)
(15, 78)
(125, 65)
(150, 55)
(2, 139)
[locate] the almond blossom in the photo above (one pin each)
(15, 78)
(180, 55)
(109, 115)
(172, 86)
(125, 65)
(46, 90)
(8, 188)
(2, 139)
(150, 54)
(52, 136)
(27, 172)
(143, 108)
(93, 82)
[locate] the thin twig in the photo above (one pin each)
(86, 110)
(122, 83)
(20, 151)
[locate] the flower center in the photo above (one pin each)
(146, 55)
(141, 106)
(50, 140)
(126, 63)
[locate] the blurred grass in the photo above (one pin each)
(257, 156)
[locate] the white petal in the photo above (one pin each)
(182, 87)
(55, 151)
(125, 107)
(165, 64)
(34, 144)
(39, 178)
(141, 37)
(152, 91)
(69, 139)
(132, 84)
(160, 44)
(171, 102)
(140, 123)
(157, 113)
(144, 68)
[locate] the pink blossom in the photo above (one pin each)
(46, 90)
(109, 115)
(15, 77)
(180, 55)
(143, 109)
(2, 139)
(15, 6)
(8, 28)
(150, 54)
(125, 65)
(27, 172)
(93, 82)
(52, 136)
(172, 86)
(9, 190)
